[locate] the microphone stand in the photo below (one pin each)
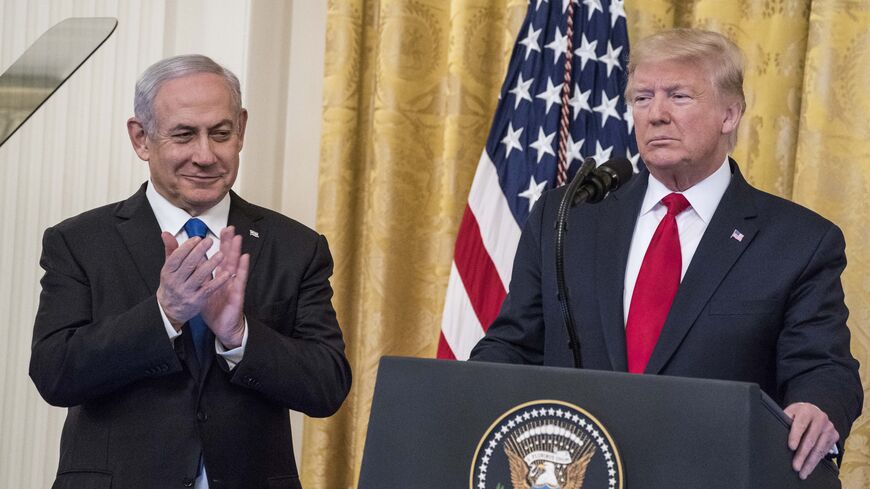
(561, 228)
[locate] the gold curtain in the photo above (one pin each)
(409, 91)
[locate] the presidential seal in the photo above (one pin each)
(546, 444)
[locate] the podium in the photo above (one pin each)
(435, 424)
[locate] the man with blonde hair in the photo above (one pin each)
(688, 270)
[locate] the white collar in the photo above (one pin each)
(172, 219)
(704, 196)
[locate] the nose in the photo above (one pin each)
(658, 110)
(204, 154)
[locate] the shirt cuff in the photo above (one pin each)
(234, 356)
(170, 330)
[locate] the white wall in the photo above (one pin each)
(73, 154)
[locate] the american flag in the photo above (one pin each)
(520, 159)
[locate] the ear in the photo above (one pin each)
(138, 138)
(243, 123)
(733, 114)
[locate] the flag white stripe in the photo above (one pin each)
(460, 326)
(498, 228)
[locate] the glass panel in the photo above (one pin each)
(43, 68)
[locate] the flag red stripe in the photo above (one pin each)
(444, 350)
(479, 275)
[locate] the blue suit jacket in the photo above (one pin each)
(141, 410)
(766, 309)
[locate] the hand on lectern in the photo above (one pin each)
(812, 436)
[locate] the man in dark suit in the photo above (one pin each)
(688, 270)
(178, 356)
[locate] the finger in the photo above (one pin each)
(236, 249)
(241, 278)
(227, 233)
(205, 270)
(209, 287)
(180, 253)
(170, 244)
(194, 258)
(812, 460)
(812, 440)
(231, 246)
(819, 451)
(798, 426)
(791, 409)
(808, 442)
(239, 283)
(225, 237)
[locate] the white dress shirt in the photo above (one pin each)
(703, 198)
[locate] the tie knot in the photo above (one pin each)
(195, 228)
(676, 203)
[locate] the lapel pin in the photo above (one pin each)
(735, 235)
(257, 235)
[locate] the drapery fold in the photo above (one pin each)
(410, 88)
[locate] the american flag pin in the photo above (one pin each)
(257, 235)
(737, 235)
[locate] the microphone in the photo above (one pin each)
(603, 180)
(589, 185)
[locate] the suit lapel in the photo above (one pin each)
(615, 229)
(141, 234)
(246, 219)
(716, 254)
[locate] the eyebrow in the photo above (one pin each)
(666, 88)
(187, 127)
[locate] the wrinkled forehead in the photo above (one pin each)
(191, 85)
(201, 98)
(669, 73)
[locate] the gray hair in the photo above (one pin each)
(176, 67)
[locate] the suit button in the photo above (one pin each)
(200, 415)
(188, 482)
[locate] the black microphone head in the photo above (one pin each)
(601, 181)
(620, 170)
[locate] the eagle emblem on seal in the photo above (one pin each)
(546, 444)
(549, 456)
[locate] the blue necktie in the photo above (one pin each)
(198, 330)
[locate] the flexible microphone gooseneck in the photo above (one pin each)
(591, 186)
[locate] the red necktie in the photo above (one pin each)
(655, 287)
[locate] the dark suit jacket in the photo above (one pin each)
(138, 416)
(766, 309)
